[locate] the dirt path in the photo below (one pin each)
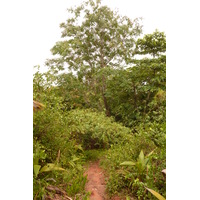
(96, 182)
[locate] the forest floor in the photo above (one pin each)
(96, 182)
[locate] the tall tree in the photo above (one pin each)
(96, 39)
(141, 88)
(153, 44)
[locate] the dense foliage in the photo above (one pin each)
(112, 100)
(94, 130)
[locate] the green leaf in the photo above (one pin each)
(51, 167)
(36, 169)
(156, 194)
(141, 156)
(79, 147)
(127, 163)
(151, 152)
(35, 160)
(75, 158)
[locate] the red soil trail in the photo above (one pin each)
(96, 182)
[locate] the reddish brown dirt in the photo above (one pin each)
(96, 182)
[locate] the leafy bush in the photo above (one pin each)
(153, 131)
(130, 169)
(53, 144)
(95, 130)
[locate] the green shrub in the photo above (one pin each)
(54, 145)
(138, 169)
(95, 130)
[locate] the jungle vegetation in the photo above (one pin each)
(103, 96)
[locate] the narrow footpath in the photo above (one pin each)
(96, 182)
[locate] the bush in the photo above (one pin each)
(53, 144)
(142, 169)
(95, 130)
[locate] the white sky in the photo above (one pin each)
(49, 14)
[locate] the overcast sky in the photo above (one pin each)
(49, 14)
(29, 29)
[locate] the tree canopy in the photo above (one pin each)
(96, 40)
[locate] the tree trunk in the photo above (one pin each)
(106, 105)
(108, 113)
(103, 90)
